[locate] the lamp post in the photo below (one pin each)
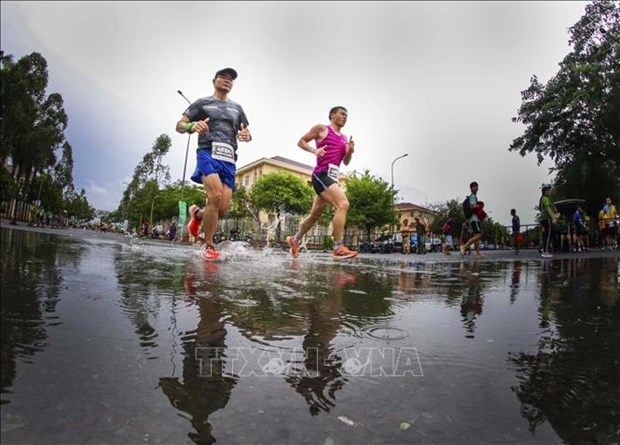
(392, 186)
(186, 150)
(189, 136)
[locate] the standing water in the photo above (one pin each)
(125, 342)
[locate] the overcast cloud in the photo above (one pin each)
(437, 80)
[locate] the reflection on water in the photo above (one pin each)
(575, 369)
(129, 342)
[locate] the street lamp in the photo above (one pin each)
(400, 157)
(392, 170)
(189, 136)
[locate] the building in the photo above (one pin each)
(408, 212)
(247, 175)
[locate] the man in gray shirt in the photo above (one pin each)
(220, 123)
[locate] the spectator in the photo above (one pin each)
(447, 233)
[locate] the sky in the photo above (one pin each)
(438, 81)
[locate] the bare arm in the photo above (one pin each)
(317, 132)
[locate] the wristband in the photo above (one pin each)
(188, 127)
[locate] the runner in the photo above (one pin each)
(548, 218)
(332, 148)
(219, 122)
(474, 221)
(516, 229)
(609, 215)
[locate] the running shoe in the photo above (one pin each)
(343, 252)
(294, 246)
(210, 254)
(194, 223)
(546, 255)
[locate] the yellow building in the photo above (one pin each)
(248, 174)
(408, 212)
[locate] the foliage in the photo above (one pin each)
(32, 128)
(573, 119)
(7, 186)
(449, 209)
(492, 231)
(281, 192)
(371, 202)
(242, 206)
(149, 175)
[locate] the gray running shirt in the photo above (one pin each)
(225, 119)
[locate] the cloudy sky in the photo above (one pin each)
(439, 81)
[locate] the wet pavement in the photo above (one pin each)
(110, 339)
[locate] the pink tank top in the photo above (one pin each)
(335, 146)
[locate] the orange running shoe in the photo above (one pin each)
(210, 254)
(294, 246)
(194, 223)
(343, 253)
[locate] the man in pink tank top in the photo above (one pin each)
(332, 148)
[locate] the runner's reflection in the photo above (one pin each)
(321, 373)
(515, 281)
(204, 388)
(472, 300)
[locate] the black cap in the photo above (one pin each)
(231, 72)
(545, 188)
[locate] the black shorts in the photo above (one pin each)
(321, 181)
(476, 227)
(611, 231)
(581, 230)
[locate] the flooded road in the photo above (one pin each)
(118, 341)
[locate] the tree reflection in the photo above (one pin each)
(30, 289)
(572, 381)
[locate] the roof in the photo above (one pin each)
(278, 161)
(403, 206)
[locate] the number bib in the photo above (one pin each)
(333, 172)
(223, 152)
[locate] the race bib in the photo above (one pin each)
(223, 152)
(333, 172)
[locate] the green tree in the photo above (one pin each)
(492, 232)
(281, 192)
(32, 130)
(371, 202)
(573, 119)
(242, 206)
(444, 210)
(7, 186)
(149, 175)
(77, 206)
